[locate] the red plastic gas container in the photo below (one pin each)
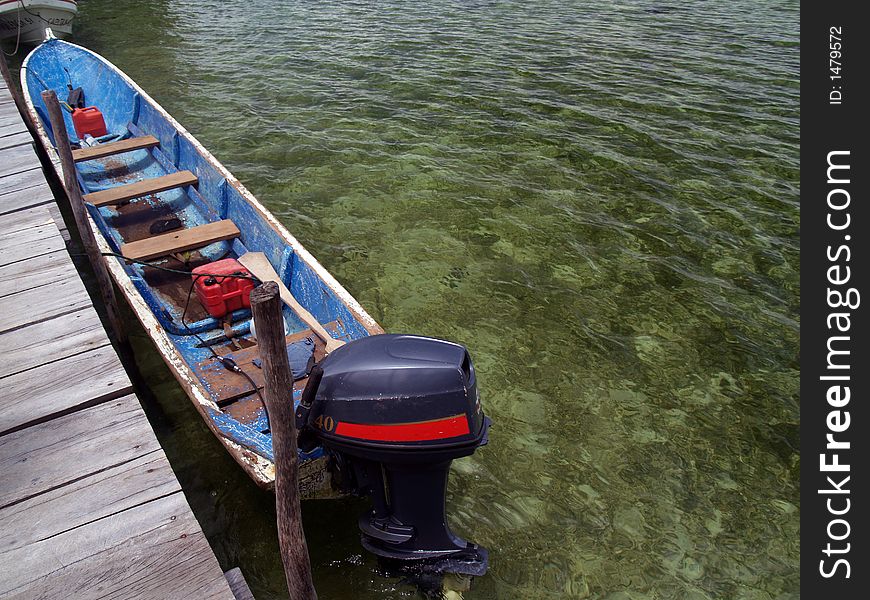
(88, 120)
(221, 295)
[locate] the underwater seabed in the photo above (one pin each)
(601, 204)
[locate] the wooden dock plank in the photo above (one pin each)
(24, 219)
(10, 120)
(54, 210)
(140, 188)
(9, 115)
(61, 387)
(25, 245)
(50, 341)
(11, 129)
(25, 179)
(155, 550)
(36, 272)
(29, 243)
(35, 195)
(181, 240)
(35, 305)
(9, 125)
(57, 452)
(112, 148)
(18, 158)
(15, 139)
(89, 506)
(104, 494)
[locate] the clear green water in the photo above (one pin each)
(599, 199)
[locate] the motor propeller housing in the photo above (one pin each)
(394, 411)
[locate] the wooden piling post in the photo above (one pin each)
(278, 393)
(80, 213)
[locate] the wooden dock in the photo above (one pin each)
(89, 505)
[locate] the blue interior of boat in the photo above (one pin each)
(54, 65)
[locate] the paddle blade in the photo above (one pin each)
(262, 269)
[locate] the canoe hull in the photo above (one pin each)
(31, 17)
(314, 478)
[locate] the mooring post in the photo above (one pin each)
(80, 213)
(278, 393)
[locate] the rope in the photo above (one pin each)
(18, 36)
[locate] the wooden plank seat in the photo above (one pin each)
(180, 240)
(112, 148)
(140, 188)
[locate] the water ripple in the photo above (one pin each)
(601, 201)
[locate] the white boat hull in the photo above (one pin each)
(26, 20)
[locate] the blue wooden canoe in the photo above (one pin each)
(148, 168)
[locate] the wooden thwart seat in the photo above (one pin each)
(140, 188)
(111, 148)
(180, 240)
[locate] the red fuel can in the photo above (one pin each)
(220, 294)
(89, 121)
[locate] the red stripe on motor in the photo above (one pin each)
(406, 432)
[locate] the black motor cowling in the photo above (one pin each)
(394, 411)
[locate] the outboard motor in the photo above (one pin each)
(393, 411)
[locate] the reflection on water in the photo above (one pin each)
(601, 201)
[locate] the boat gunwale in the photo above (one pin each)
(260, 469)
